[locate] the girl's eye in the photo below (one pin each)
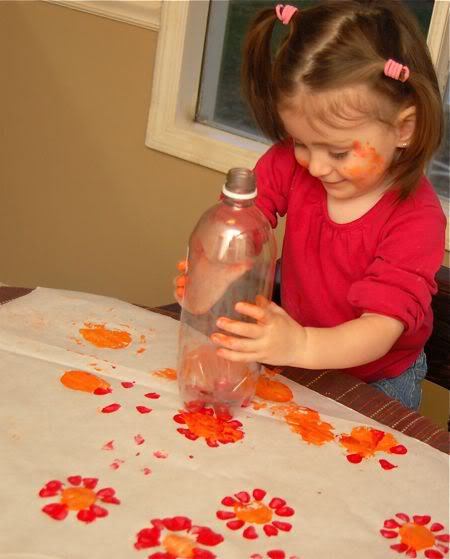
(340, 155)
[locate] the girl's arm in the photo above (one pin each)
(279, 340)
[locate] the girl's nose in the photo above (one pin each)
(318, 165)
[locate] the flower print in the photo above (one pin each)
(365, 442)
(416, 535)
(250, 510)
(273, 390)
(203, 423)
(177, 538)
(100, 336)
(78, 495)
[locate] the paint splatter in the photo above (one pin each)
(168, 374)
(139, 439)
(415, 535)
(273, 390)
(108, 446)
(85, 382)
(116, 464)
(80, 496)
(143, 409)
(160, 454)
(147, 471)
(140, 350)
(365, 442)
(205, 424)
(249, 510)
(177, 537)
(100, 336)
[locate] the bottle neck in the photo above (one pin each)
(238, 203)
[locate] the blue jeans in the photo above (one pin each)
(407, 387)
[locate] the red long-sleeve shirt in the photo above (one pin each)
(384, 262)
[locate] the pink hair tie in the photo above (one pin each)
(393, 69)
(285, 12)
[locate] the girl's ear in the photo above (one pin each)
(405, 124)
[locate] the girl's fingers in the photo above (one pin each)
(236, 344)
(230, 355)
(182, 265)
(253, 311)
(239, 328)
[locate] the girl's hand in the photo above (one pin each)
(275, 338)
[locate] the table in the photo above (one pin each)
(102, 461)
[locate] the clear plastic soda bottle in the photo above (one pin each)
(231, 258)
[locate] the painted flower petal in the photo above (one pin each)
(86, 515)
(161, 555)
(443, 538)
(111, 408)
(228, 501)
(276, 554)
(143, 409)
(127, 384)
(75, 480)
(177, 523)
(285, 511)
(225, 515)
(399, 449)
(400, 547)
(388, 534)
(179, 418)
(354, 458)
(387, 465)
(211, 442)
(99, 512)
(258, 494)
(391, 523)
(283, 526)
(411, 553)
(188, 434)
(90, 482)
(421, 520)
(206, 536)
(153, 395)
(243, 497)
(433, 554)
(250, 533)
(235, 524)
(270, 530)
(147, 537)
(57, 511)
(436, 527)
(198, 553)
(54, 485)
(102, 391)
(402, 516)
(276, 502)
(44, 492)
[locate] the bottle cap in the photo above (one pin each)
(240, 184)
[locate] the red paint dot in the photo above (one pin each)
(399, 449)
(127, 384)
(111, 408)
(152, 395)
(354, 458)
(386, 465)
(143, 409)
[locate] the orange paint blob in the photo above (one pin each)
(179, 546)
(141, 350)
(86, 382)
(415, 536)
(309, 426)
(211, 428)
(254, 512)
(366, 441)
(168, 374)
(98, 335)
(78, 498)
(273, 390)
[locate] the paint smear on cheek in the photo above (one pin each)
(369, 162)
(303, 163)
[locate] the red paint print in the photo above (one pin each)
(160, 454)
(274, 554)
(143, 409)
(152, 395)
(416, 536)
(177, 537)
(100, 336)
(108, 446)
(80, 496)
(116, 464)
(127, 384)
(250, 510)
(205, 424)
(139, 439)
(111, 408)
(364, 442)
(147, 471)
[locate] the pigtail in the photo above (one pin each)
(256, 74)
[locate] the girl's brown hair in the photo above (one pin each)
(340, 43)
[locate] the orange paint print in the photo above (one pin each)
(86, 382)
(168, 374)
(371, 161)
(308, 424)
(365, 442)
(416, 535)
(249, 509)
(98, 335)
(273, 390)
(80, 496)
(204, 424)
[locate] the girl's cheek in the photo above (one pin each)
(302, 161)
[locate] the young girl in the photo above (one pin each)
(352, 99)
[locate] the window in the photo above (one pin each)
(207, 136)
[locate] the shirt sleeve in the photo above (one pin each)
(274, 175)
(401, 280)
